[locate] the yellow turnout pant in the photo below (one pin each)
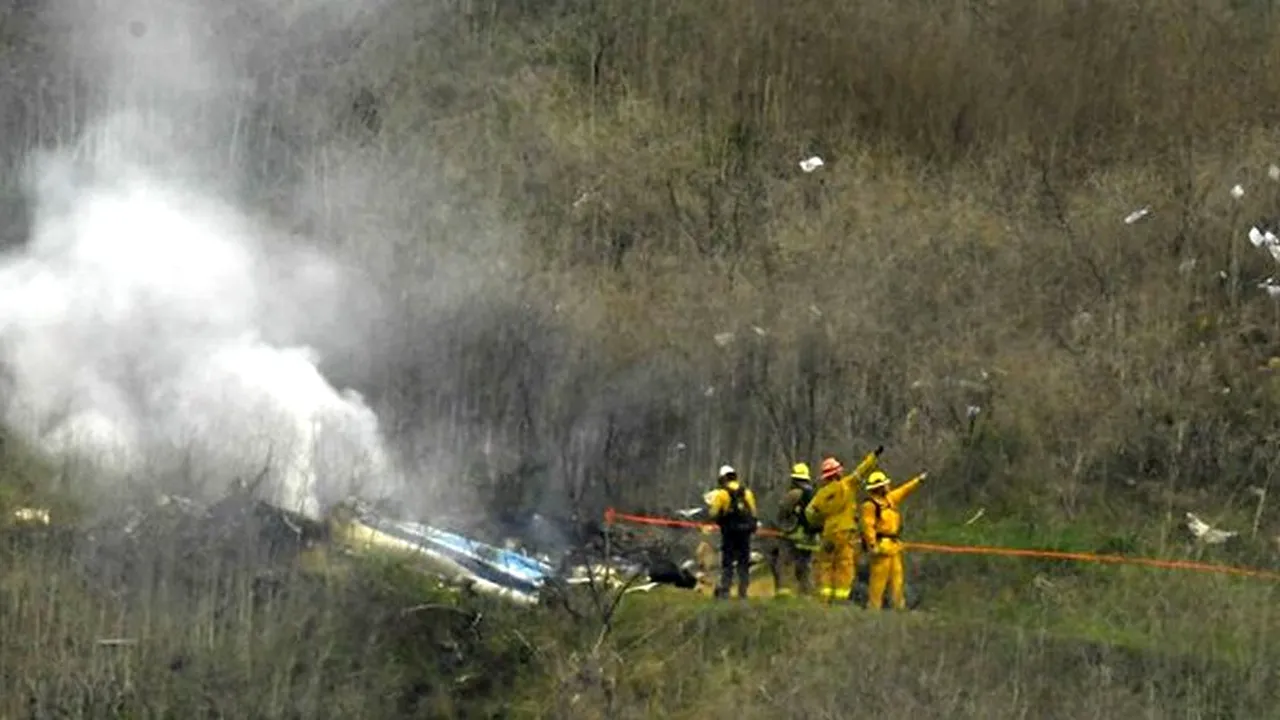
(833, 565)
(887, 572)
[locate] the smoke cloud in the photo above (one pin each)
(152, 325)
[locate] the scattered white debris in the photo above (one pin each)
(117, 642)
(1271, 288)
(976, 516)
(813, 310)
(1188, 265)
(709, 392)
(646, 587)
(1137, 215)
(972, 411)
(1206, 533)
(588, 574)
(723, 339)
(680, 447)
(31, 515)
(1042, 583)
(759, 330)
(689, 512)
(1237, 191)
(1262, 238)
(1273, 172)
(811, 163)
(1267, 240)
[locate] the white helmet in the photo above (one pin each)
(727, 470)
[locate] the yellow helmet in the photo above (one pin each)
(800, 471)
(877, 479)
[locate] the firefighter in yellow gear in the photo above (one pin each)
(881, 537)
(792, 554)
(833, 509)
(732, 506)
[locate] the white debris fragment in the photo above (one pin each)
(1261, 238)
(723, 339)
(1237, 191)
(972, 411)
(811, 163)
(1188, 265)
(1270, 287)
(689, 512)
(1267, 240)
(646, 587)
(1206, 533)
(1137, 215)
(709, 392)
(759, 330)
(1273, 172)
(39, 516)
(117, 642)
(813, 310)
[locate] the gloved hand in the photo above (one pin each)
(923, 475)
(879, 450)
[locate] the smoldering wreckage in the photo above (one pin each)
(519, 565)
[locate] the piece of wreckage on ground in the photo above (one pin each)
(114, 544)
(636, 562)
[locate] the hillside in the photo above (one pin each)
(591, 269)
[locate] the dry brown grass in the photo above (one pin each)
(633, 166)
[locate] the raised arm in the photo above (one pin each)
(867, 465)
(901, 492)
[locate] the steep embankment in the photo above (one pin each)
(321, 637)
(603, 274)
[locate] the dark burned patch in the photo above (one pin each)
(186, 546)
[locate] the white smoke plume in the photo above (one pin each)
(147, 322)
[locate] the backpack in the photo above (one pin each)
(738, 516)
(807, 491)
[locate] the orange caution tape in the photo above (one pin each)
(612, 516)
